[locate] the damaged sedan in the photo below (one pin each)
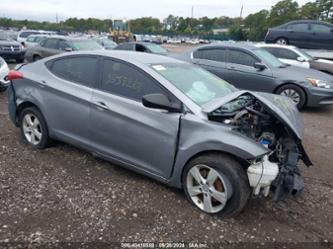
(167, 119)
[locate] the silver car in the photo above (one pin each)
(167, 119)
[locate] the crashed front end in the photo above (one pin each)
(275, 123)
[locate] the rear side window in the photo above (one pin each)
(320, 28)
(76, 69)
(126, 46)
(122, 79)
(211, 54)
(27, 33)
(241, 58)
(300, 27)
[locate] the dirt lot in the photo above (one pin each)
(65, 194)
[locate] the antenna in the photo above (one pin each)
(241, 12)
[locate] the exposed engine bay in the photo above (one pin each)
(277, 171)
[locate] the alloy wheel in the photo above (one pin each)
(208, 188)
(32, 129)
(292, 94)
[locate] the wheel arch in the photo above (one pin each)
(24, 105)
(281, 37)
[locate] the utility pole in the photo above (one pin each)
(192, 11)
(241, 12)
(56, 18)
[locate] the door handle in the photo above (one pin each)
(101, 106)
(42, 83)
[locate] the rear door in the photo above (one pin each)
(213, 60)
(299, 34)
(123, 129)
(321, 36)
(242, 73)
(67, 91)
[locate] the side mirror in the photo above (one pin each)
(260, 66)
(300, 59)
(160, 101)
(68, 49)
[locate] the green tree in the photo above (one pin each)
(256, 25)
(310, 10)
(283, 11)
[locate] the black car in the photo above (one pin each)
(10, 49)
(143, 47)
(253, 68)
(303, 33)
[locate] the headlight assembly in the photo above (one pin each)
(319, 83)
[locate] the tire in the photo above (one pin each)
(282, 41)
(40, 141)
(294, 92)
(3, 88)
(235, 184)
(36, 58)
(19, 60)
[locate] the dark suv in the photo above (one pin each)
(10, 49)
(59, 44)
(304, 34)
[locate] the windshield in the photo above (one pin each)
(25, 34)
(108, 43)
(156, 49)
(268, 58)
(86, 45)
(196, 83)
(5, 37)
(305, 54)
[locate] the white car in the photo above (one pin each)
(34, 40)
(4, 70)
(288, 54)
(297, 57)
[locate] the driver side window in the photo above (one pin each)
(241, 58)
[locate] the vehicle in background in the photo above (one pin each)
(4, 70)
(146, 47)
(34, 40)
(166, 119)
(106, 42)
(297, 57)
(174, 41)
(23, 34)
(249, 67)
(10, 49)
(58, 44)
(303, 34)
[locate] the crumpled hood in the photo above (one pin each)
(282, 108)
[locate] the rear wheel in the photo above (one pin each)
(36, 58)
(216, 184)
(282, 41)
(33, 128)
(295, 93)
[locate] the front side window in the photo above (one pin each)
(51, 43)
(27, 33)
(63, 45)
(86, 45)
(196, 83)
(76, 69)
(124, 80)
(211, 54)
(241, 58)
(320, 28)
(268, 58)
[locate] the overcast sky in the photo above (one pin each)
(45, 10)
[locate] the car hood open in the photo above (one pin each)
(281, 107)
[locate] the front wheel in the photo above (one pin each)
(33, 128)
(216, 184)
(295, 93)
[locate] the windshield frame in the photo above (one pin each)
(261, 55)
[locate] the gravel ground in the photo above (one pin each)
(65, 194)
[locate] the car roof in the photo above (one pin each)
(68, 38)
(275, 45)
(243, 45)
(138, 57)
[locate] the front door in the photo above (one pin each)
(123, 129)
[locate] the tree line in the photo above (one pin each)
(253, 27)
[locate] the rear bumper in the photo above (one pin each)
(12, 55)
(319, 97)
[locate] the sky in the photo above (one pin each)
(47, 10)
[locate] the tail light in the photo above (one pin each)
(15, 75)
